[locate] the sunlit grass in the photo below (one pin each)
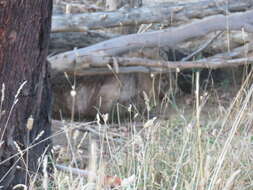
(164, 153)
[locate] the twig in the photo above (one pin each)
(131, 65)
(201, 48)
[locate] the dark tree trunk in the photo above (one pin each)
(24, 34)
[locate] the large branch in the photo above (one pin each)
(61, 42)
(168, 38)
(162, 13)
(98, 65)
(66, 41)
(103, 62)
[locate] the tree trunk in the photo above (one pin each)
(24, 88)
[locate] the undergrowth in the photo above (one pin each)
(210, 151)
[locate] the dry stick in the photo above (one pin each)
(231, 180)
(204, 46)
(155, 66)
(161, 13)
(76, 171)
(180, 161)
(93, 61)
(200, 151)
(169, 38)
(231, 135)
(106, 71)
(238, 52)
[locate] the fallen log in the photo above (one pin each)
(61, 42)
(99, 65)
(162, 13)
(168, 38)
(135, 63)
(108, 71)
(66, 41)
(228, 41)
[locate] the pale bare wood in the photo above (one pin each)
(61, 42)
(160, 65)
(168, 38)
(98, 65)
(162, 13)
(107, 71)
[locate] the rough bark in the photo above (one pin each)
(26, 92)
(162, 13)
(169, 38)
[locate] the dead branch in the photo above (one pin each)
(98, 65)
(165, 65)
(228, 41)
(76, 171)
(204, 46)
(242, 51)
(107, 71)
(60, 42)
(168, 38)
(162, 13)
(122, 70)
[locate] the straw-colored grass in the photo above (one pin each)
(203, 150)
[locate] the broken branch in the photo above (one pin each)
(124, 62)
(162, 13)
(168, 38)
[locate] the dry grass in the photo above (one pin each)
(205, 148)
(173, 153)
